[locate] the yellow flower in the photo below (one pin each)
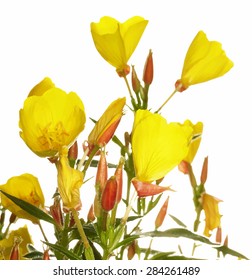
(117, 41)
(6, 244)
(50, 119)
(27, 188)
(105, 127)
(205, 60)
(212, 215)
(69, 182)
(157, 146)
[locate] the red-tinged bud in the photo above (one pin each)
(119, 179)
(14, 255)
(179, 86)
(73, 151)
(91, 216)
(183, 167)
(135, 81)
(204, 170)
(46, 256)
(102, 173)
(56, 212)
(123, 72)
(218, 235)
(148, 69)
(147, 189)
(162, 213)
(132, 250)
(109, 194)
(226, 241)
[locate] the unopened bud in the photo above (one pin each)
(135, 81)
(226, 241)
(119, 179)
(109, 194)
(56, 212)
(204, 170)
(162, 213)
(148, 69)
(91, 216)
(46, 255)
(131, 250)
(14, 255)
(102, 173)
(218, 235)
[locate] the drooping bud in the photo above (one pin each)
(204, 170)
(148, 69)
(162, 213)
(147, 189)
(135, 81)
(14, 255)
(218, 237)
(119, 179)
(109, 194)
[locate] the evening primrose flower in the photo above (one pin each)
(27, 188)
(50, 119)
(205, 60)
(117, 41)
(212, 214)
(105, 127)
(157, 147)
(69, 182)
(6, 244)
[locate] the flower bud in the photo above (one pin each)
(218, 235)
(132, 250)
(135, 81)
(162, 213)
(203, 176)
(109, 194)
(55, 211)
(91, 216)
(119, 179)
(148, 69)
(226, 241)
(102, 173)
(46, 256)
(14, 255)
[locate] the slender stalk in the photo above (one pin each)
(166, 101)
(88, 250)
(42, 231)
(128, 87)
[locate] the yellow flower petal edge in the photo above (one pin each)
(51, 120)
(205, 60)
(117, 41)
(157, 146)
(25, 187)
(107, 124)
(6, 244)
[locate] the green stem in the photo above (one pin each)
(42, 231)
(166, 101)
(88, 250)
(87, 163)
(130, 93)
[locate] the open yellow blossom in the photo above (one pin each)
(6, 244)
(105, 127)
(69, 182)
(117, 41)
(157, 146)
(27, 188)
(212, 214)
(205, 60)
(50, 119)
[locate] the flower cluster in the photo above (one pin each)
(50, 122)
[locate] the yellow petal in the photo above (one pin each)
(25, 187)
(157, 146)
(205, 60)
(42, 87)
(51, 120)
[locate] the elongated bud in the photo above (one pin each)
(135, 81)
(147, 189)
(162, 213)
(108, 199)
(56, 212)
(102, 173)
(14, 255)
(148, 69)
(226, 241)
(91, 216)
(46, 256)
(119, 179)
(132, 250)
(204, 170)
(218, 235)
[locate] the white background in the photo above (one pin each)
(52, 38)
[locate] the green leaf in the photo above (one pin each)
(126, 241)
(29, 208)
(153, 203)
(178, 232)
(164, 256)
(34, 255)
(227, 251)
(61, 249)
(176, 220)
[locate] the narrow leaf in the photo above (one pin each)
(176, 220)
(70, 255)
(227, 251)
(29, 208)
